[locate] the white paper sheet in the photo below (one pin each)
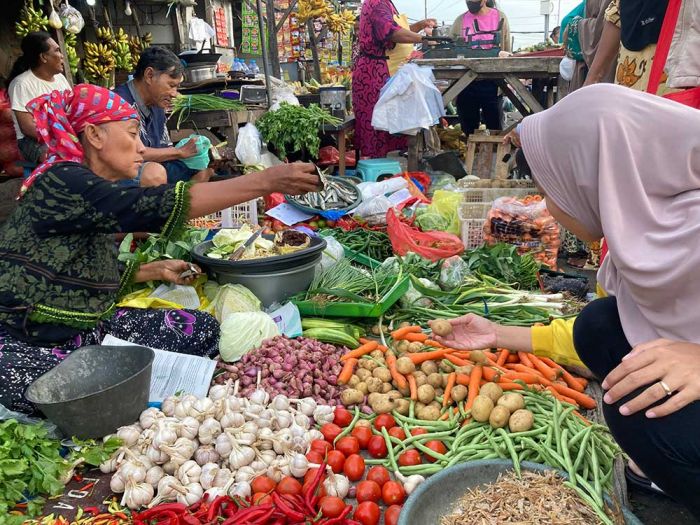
(173, 373)
(186, 296)
(288, 214)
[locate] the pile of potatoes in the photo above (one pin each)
(499, 409)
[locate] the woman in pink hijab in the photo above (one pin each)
(622, 164)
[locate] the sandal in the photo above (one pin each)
(642, 482)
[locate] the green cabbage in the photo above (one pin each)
(242, 332)
(231, 299)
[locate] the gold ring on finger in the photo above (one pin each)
(666, 388)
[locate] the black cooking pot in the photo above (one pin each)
(200, 58)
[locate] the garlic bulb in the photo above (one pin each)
(298, 431)
(240, 489)
(336, 484)
(168, 405)
(209, 430)
(181, 450)
(299, 444)
(246, 473)
(129, 435)
(165, 436)
(208, 475)
(157, 456)
(232, 419)
(223, 444)
(241, 456)
(260, 466)
(145, 439)
(109, 466)
(298, 465)
(283, 441)
(188, 428)
(116, 483)
(132, 471)
(313, 434)
(166, 490)
(183, 408)
(149, 416)
(259, 397)
(280, 402)
(202, 409)
(171, 467)
(136, 495)
(275, 472)
(189, 472)
(281, 419)
(307, 406)
(154, 475)
(268, 456)
(218, 392)
(206, 454)
(323, 414)
(222, 477)
(189, 494)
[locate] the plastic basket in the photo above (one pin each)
(488, 195)
(474, 210)
(245, 213)
(472, 230)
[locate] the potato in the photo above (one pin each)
(426, 394)
(481, 409)
(382, 405)
(387, 387)
(428, 367)
(435, 404)
(479, 357)
(404, 324)
(499, 416)
(429, 413)
(445, 378)
(362, 387)
(403, 346)
(512, 401)
(402, 406)
(363, 373)
(441, 327)
(377, 354)
(419, 405)
(382, 373)
(521, 420)
(377, 329)
(363, 423)
(374, 384)
(466, 369)
(446, 367)
(394, 394)
(492, 390)
(405, 366)
(354, 379)
(435, 380)
(405, 392)
(415, 346)
(372, 397)
(351, 396)
(459, 393)
(370, 364)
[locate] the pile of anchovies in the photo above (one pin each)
(334, 195)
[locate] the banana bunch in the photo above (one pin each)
(99, 63)
(30, 20)
(310, 9)
(105, 35)
(299, 88)
(342, 22)
(122, 36)
(137, 45)
(122, 56)
(70, 40)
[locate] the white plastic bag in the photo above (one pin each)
(370, 190)
(249, 145)
(333, 253)
(282, 94)
(73, 21)
(412, 87)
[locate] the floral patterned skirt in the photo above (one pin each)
(183, 331)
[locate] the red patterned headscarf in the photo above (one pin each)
(61, 116)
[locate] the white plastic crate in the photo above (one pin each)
(245, 213)
(472, 230)
(474, 210)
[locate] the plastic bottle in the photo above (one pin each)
(236, 66)
(244, 67)
(253, 67)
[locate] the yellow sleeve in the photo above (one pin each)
(556, 341)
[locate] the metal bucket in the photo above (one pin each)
(95, 390)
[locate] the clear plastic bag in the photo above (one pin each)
(442, 213)
(282, 94)
(73, 21)
(453, 270)
(249, 145)
(333, 253)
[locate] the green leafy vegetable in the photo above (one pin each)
(156, 248)
(503, 262)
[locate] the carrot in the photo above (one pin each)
(570, 380)
(434, 344)
(456, 360)
(530, 379)
(416, 338)
(546, 370)
(401, 332)
(525, 369)
(473, 388)
(346, 372)
(490, 374)
(491, 356)
(502, 357)
(398, 378)
(462, 379)
(561, 397)
(361, 350)
(511, 386)
(412, 388)
(512, 358)
(582, 418)
(582, 399)
(421, 357)
(525, 359)
(448, 389)
(364, 340)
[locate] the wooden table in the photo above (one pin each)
(340, 131)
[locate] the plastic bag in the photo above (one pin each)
(453, 270)
(373, 207)
(329, 155)
(73, 21)
(282, 94)
(413, 297)
(431, 245)
(412, 87)
(370, 190)
(333, 253)
(442, 213)
(525, 223)
(200, 161)
(249, 145)
(287, 318)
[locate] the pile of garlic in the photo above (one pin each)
(215, 445)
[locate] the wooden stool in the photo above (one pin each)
(480, 161)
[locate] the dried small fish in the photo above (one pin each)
(334, 195)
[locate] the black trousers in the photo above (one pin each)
(666, 449)
(480, 99)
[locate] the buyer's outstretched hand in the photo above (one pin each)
(469, 332)
(659, 365)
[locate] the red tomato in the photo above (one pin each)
(397, 432)
(331, 506)
(377, 447)
(262, 484)
(391, 515)
(354, 467)
(321, 446)
(368, 491)
(260, 498)
(367, 513)
(418, 431)
(330, 431)
(378, 474)
(393, 493)
(363, 435)
(342, 417)
(314, 457)
(288, 485)
(435, 446)
(348, 445)
(336, 460)
(311, 473)
(410, 457)
(383, 421)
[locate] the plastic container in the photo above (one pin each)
(95, 390)
(337, 309)
(372, 170)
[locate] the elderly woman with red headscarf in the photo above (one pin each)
(59, 275)
(605, 171)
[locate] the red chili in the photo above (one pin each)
(215, 506)
(91, 510)
(188, 519)
(163, 507)
(87, 487)
(310, 497)
(286, 509)
(340, 519)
